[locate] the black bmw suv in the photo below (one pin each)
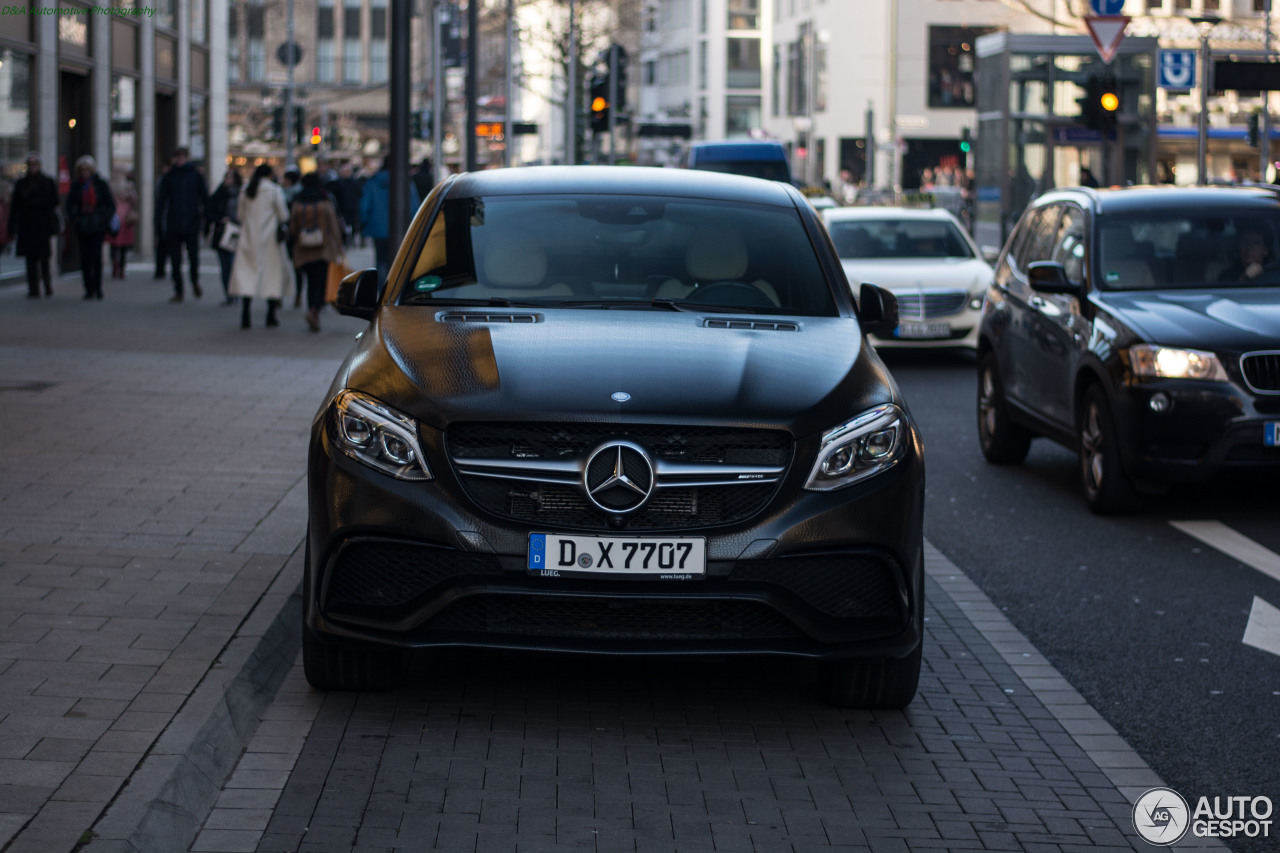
(1141, 327)
(620, 411)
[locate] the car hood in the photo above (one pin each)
(966, 274)
(1238, 319)
(569, 364)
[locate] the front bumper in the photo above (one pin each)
(1206, 428)
(831, 575)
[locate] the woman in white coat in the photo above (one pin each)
(261, 268)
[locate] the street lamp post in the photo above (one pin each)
(1205, 24)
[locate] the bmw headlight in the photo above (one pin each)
(377, 435)
(860, 448)
(1156, 362)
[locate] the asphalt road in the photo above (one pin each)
(1145, 621)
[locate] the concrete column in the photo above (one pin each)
(100, 45)
(215, 142)
(184, 72)
(145, 126)
(47, 80)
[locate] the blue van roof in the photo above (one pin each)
(739, 151)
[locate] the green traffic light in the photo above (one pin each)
(965, 146)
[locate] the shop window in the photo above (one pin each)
(951, 63)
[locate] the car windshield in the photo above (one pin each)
(1193, 249)
(609, 251)
(770, 170)
(898, 238)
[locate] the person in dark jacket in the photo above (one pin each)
(375, 217)
(424, 179)
(91, 211)
(157, 223)
(33, 220)
(182, 199)
(220, 213)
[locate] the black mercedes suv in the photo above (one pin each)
(619, 411)
(1141, 327)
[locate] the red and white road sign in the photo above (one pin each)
(1107, 33)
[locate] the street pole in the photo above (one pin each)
(290, 133)
(571, 90)
(473, 75)
(1205, 23)
(440, 18)
(1264, 146)
(508, 158)
(398, 221)
(613, 101)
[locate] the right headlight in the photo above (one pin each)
(1150, 361)
(859, 448)
(372, 432)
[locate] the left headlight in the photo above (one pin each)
(860, 448)
(1156, 362)
(377, 435)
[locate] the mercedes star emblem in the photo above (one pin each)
(619, 477)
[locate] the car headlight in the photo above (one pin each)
(1150, 361)
(857, 449)
(377, 435)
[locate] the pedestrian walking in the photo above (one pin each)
(221, 213)
(317, 241)
(33, 222)
(291, 183)
(424, 179)
(157, 224)
(183, 197)
(261, 268)
(126, 195)
(375, 217)
(91, 212)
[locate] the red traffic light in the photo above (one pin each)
(315, 136)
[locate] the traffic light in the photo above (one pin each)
(1101, 103)
(420, 124)
(277, 123)
(621, 65)
(299, 120)
(966, 145)
(1253, 129)
(316, 137)
(600, 103)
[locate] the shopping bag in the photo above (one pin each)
(338, 270)
(230, 237)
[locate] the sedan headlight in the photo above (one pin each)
(377, 435)
(1156, 362)
(857, 449)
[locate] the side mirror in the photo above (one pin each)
(1051, 277)
(990, 254)
(358, 294)
(877, 310)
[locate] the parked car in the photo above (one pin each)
(926, 259)
(755, 158)
(620, 411)
(1139, 327)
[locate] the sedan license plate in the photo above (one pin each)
(924, 330)
(1271, 433)
(672, 558)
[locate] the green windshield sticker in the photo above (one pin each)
(427, 282)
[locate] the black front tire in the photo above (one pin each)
(1003, 442)
(887, 683)
(1107, 489)
(329, 666)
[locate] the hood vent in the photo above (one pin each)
(757, 325)
(486, 317)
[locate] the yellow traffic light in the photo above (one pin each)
(315, 136)
(599, 105)
(1110, 102)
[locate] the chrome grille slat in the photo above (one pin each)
(1261, 371)
(931, 304)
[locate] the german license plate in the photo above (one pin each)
(1271, 433)
(672, 558)
(924, 330)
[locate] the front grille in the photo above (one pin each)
(1262, 371)
(845, 586)
(564, 505)
(605, 619)
(393, 574)
(926, 305)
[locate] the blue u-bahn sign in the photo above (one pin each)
(1106, 8)
(1176, 69)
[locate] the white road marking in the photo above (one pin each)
(1233, 544)
(1263, 630)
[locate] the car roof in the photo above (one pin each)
(1121, 200)
(621, 180)
(842, 214)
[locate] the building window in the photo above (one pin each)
(199, 20)
(743, 63)
(352, 49)
(650, 72)
(951, 62)
(797, 76)
(744, 14)
(819, 75)
(15, 101)
(378, 42)
(702, 16)
(1155, 5)
(741, 114)
(233, 44)
(326, 56)
(1261, 5)
(166, 13)
(702, 64)
(257, 71)
(775, 94)
(1182, 5)
(702, 117)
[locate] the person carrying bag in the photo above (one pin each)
(317, 242)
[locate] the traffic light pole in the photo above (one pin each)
(290, 132)
(1264, 147)
(613, 102)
